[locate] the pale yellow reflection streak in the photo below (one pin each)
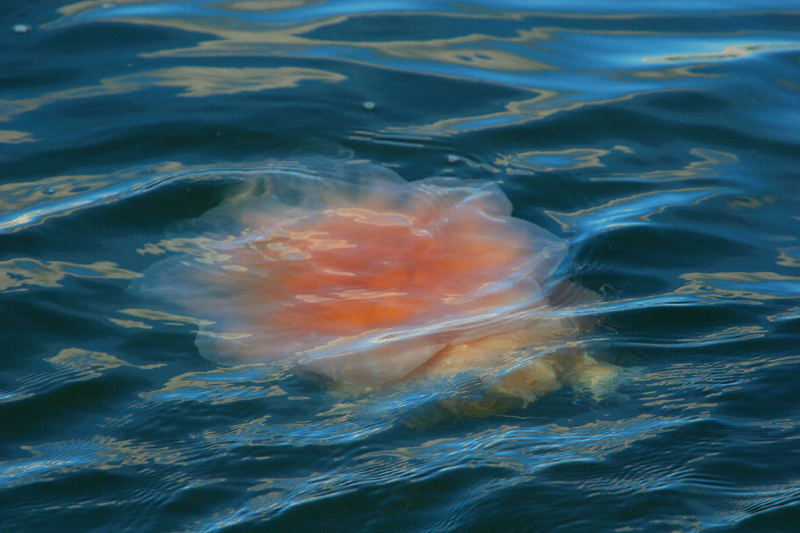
(789, 256)
(736, 51)
(707, 285)
(235, 5)
(203, 249)
(577, 157)
(487, 57)
(221, 386)
(245, 37)
(735, 333)
(707, 158)
(76, 8)
(196, 82)
(792, 313)
(22, 273)
(164, 317)
(495, 447)
(9, 108)
(16, 137)
(37, 201)
(115, 452)
(209, 81)
(564, 219)
(515, 113)
(137, 324)
(263, 6)
(675, 73)
(98, 453)
(750, 202)
(85, 360)
(25, 194)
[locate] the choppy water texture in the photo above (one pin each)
(659, 140)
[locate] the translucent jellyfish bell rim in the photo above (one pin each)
(216, 286)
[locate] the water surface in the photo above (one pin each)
(660, 140)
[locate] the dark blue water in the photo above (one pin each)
(659, 139)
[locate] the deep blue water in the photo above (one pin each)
(660, 139)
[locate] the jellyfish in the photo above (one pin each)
(354, 275)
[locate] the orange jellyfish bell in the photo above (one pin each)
(359, 276)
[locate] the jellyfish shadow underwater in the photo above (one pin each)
(365, 281)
